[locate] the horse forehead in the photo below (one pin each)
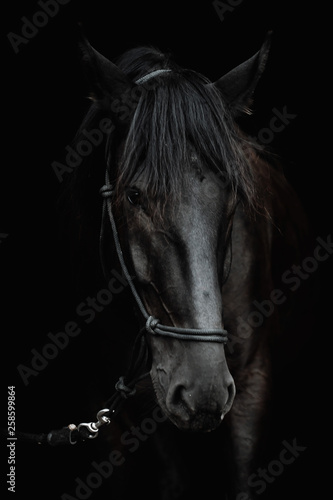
(202, 194)
(198, 213)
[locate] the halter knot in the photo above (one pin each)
(151, 324)
(106, 191)
(123, 389)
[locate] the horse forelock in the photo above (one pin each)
(178, 115)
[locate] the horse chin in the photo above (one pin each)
(201, 421)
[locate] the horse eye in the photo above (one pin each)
(134, 197)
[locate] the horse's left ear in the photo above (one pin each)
(110, 87)
(238, 85)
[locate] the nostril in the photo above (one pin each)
(177, 395)
(180, 401)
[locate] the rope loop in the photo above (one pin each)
(123, 389)
(106, 191)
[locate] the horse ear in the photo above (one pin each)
(239, 84)
(110, 87)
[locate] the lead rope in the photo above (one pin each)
(72, 433)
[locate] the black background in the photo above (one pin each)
(44, 276)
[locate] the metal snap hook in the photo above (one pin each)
(93, 427)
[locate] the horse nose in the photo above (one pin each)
(197, 407)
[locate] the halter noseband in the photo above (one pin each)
(153, 326)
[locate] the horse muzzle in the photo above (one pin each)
(193, 385)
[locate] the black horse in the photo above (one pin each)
(206, 225)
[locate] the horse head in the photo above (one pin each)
(178, 169)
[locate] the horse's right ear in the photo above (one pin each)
(238, 85)
(109, 85)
